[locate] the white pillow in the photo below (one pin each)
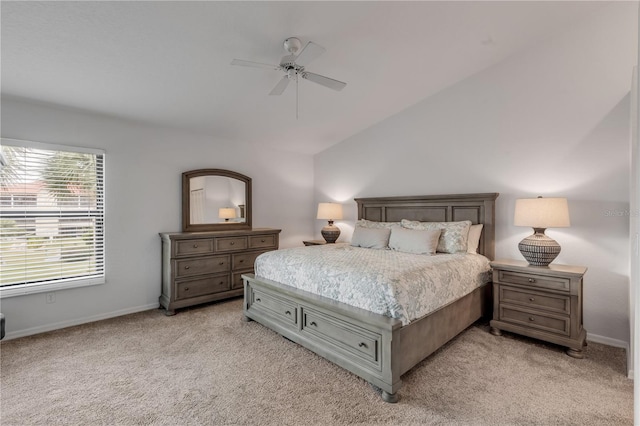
(474, 238)
(453, 236)
(364, 223)
(376, 238)
(414, 241)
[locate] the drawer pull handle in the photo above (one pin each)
(363, 345)
(233, 243)
(187, 267)
(221, 263)
(531, 280)
(532, 319)
(195, 246)
(186, 289)
(258, 300)
(531, 299)
(262, 240)
(241, 260)
(288, 312)
(221, 282)
(313, 323)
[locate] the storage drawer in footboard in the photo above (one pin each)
(342, 336)
(280, 309)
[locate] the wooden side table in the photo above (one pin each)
(314, 242)
(543, 302)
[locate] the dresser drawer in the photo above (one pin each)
(201, 266)
(342, 335)
(275, 306)
(202, 286)
(533, 280)
(534, 319)
(244, 260)
(547, 302)
(194, 247)
(262, 241)
(231, 244)
(236, 279)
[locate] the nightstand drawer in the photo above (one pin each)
(546, 302)
(533, 280)
(532, 319)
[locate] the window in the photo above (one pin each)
(51, 217)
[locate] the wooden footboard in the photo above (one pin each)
(372, 346)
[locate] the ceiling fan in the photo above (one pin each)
(294, 65)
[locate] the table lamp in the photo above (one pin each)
(330, 212)
(227, 213)
(540, 214)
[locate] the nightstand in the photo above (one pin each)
(314, 242)
(543, 302)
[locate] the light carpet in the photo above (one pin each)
(205, 366)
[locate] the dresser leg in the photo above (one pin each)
(575, 353)
(495, 331)
(389, 397)
(246, 318)
(169, 312)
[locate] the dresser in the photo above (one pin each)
(199, 267)
(543, 302)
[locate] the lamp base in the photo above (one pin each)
(538, 249)
(330, 233)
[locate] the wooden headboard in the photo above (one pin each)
(478, 208)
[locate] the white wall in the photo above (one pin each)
(553, 121)
(143, 197)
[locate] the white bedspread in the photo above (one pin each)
(399, 285)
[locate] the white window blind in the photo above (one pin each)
(51, 217)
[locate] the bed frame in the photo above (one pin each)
(373, 346)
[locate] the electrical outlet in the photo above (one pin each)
(51, 297)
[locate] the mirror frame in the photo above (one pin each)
(187, 226)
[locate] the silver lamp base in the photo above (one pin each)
(330, 233)
(538, 249)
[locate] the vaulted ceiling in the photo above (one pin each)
(168, 63)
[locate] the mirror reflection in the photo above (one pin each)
(216, 199)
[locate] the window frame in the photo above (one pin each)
(71, 282)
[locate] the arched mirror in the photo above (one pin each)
(215, 200)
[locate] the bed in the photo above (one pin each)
(375, 346)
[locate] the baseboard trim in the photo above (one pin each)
(607, 341)
(612, 342)
(78, 321)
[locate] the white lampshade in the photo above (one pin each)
(227, 213)
(542, 213)
(329, 211)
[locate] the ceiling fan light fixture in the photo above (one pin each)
(292, 45)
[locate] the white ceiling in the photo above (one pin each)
(168, 63)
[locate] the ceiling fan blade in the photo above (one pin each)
(309, 53)
(282, 84)
(324, 81)
(254, 64)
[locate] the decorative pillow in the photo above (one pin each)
(474, 238)
(376, 238)
(453, 236)
(364, 223)
(414, 240)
